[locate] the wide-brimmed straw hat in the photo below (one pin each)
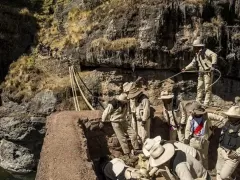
(134, 92)
(197, 108)
(198, 43)
(127, 86)
(166, 95)
(149, 143)
(161, 154)
(122, 97)
(234, 112)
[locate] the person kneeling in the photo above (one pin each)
(167, 160)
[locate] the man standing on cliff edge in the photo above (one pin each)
(205, 61)
(116, 112)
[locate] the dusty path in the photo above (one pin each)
(64, 155)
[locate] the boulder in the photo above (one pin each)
(26, 129)
(43, 103)
(16, 157)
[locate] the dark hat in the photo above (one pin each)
(197, 108)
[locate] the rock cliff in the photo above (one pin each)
(110, 42)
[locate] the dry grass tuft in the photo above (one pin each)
(22, 80)
(78, 25)
(25, 79)
(124, 43)
(100, 44)
(116, 45)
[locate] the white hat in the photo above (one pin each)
(234, 112)
(166, 95)
(116, 166)
(122, 97)
(149, 143)
(161, 154)
(132, 173)
(198, 43)
(127, 86)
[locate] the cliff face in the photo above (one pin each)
(18, 28)
(113, 41)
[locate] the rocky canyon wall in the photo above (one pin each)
(110, 42)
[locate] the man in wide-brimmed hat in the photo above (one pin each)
(127, 86)
(116, 113)
(169, 161)
(205, 61)
(142, 112)
(229, 145)
(175, 116)
(198, 131)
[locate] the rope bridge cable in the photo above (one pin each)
(74, 82)
(73, 87)
(84, 97)
(88, 88)
(80, 89)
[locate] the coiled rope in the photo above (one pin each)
(219, 77)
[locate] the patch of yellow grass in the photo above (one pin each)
(78, 25)
(53, 82)
(116, 45)
(100, 44)
(60, 43)
(25, 79)
(22, 79)
(124, 43)
(76, 14)
(111, 6)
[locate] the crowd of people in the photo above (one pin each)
(184, 155)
